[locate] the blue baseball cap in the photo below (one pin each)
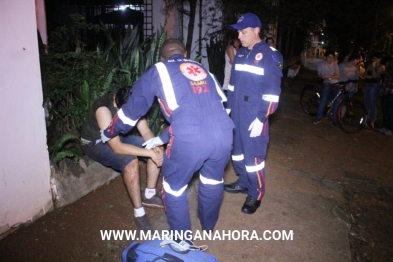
(247, 20)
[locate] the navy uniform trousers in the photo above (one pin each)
(204, 143)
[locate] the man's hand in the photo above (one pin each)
(153, 142)
(159, 150)
(157, 156)
(104, 139)
(255, 128)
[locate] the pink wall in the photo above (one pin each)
(24, 162)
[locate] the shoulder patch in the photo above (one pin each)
(278, 62)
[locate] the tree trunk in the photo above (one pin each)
(287, 41)
(200, 29)
(191, 24)
(292, 45)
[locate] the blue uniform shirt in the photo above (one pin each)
(185, 90)
(256, 77)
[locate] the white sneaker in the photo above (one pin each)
(388, 132)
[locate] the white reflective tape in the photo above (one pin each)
(270, 98)
(169, 190)
(208, 181)
(167, 86)
(219, 91)
(126, 120)
(255, 168)
(249, 68)
(237, 157)
(231, 88)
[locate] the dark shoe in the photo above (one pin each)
(334, 124)
(142, 223)
(154, 202)
(251, 205)
(235, 188)
(317, 121)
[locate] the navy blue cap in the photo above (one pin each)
(247, 20)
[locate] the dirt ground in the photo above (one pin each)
(354, 172)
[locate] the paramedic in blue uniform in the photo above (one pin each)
(199, 137)
(253, 95)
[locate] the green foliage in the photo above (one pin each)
(73, 78)
(68, 146)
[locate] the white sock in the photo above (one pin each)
(150, 192)
(139, 212)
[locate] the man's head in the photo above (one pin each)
(329, 56)
(122, 95)
(354, 58)
(248, 27)
(269, 41)
(171, 47)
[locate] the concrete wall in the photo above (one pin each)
(24, 162)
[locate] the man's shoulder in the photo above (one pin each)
(103, 111)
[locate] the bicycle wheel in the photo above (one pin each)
(351, 116)
(309, 99)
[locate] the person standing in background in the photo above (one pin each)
(372, 77)
(270, 41)
(328, 71)
(229, 56)
(387, 99)
(350, 71)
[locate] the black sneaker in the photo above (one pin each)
(317, 121)
(154, 202)
(142, 223)
(334, 124)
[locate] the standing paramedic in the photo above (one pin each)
(199, 136)
(253, 95)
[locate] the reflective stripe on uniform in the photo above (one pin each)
(249, 68)
(219, 91)
(255, 168)
(270, 98)
(231, 88)
(167, 86)
(169, 190)
(237, 157)
(208, 181)
(126, 120)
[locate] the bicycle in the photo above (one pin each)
(351, 113)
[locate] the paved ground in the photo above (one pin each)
(307, 170)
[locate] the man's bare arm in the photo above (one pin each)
(104, 118)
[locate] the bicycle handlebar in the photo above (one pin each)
(346, 82)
